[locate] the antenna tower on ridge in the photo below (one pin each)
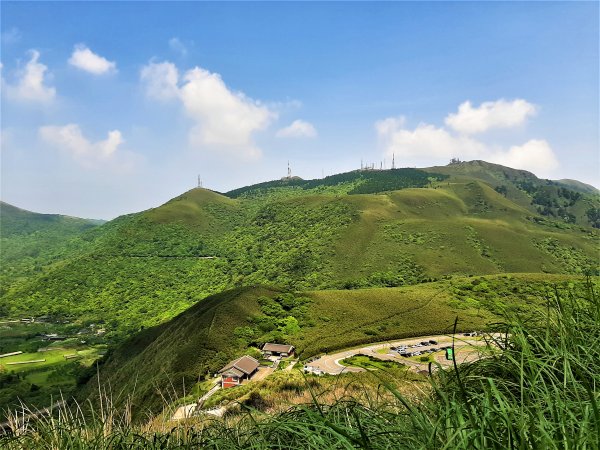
(199, 181)
(393, 160)
(289, 175)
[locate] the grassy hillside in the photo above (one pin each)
(30, 241)
(567, 201)
(356, 182)
(142, 269)
(160, 361)
(540, 391)
(578, 186)
(157, 363)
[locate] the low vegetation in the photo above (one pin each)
(183, 352)
(366, 256)
(55, 368)
(368, 362)
(539, 391)
(355, 230)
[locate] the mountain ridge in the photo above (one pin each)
(141, 269)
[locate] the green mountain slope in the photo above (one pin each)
(563, 200)
(142, 269)
(157, 363)
(30, 241)
(578, 186)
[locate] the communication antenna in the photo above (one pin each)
(289, 171)
(393, 160)
(199, 181)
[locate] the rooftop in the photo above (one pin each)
(281, 348)
(246, 364)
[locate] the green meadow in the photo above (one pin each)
(181, 289)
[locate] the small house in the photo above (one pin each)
(278, 350)
(237, 371)
(53, 337)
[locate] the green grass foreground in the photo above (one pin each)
(541, 391)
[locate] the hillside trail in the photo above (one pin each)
(189, 410)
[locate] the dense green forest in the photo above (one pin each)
(142, 269)
(29, 242)
(446, 233)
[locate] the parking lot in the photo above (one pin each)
(405, 351)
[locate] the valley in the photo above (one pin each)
(153, 304)
(299, 225)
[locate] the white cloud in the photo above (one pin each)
(224, 117)
(297, 129)
(83, 58)
(489, 115)
(424, 142)
(177, 46)
(160, 80)
(31, 85)
(224, 120)
(430, 145)
(535, 155)
(70, 139)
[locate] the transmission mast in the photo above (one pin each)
(199, 181)
(289, 175)
(393, 160)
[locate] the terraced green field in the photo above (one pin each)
(41, 377)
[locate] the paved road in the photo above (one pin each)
(465, 350)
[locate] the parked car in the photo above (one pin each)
(432, 342)
(425, 343)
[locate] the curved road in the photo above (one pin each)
(465, 350)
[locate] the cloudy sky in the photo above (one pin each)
(111, 108)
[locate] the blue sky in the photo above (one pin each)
(111, 108)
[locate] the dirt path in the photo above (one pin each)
(261, 374)
(186, 411)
